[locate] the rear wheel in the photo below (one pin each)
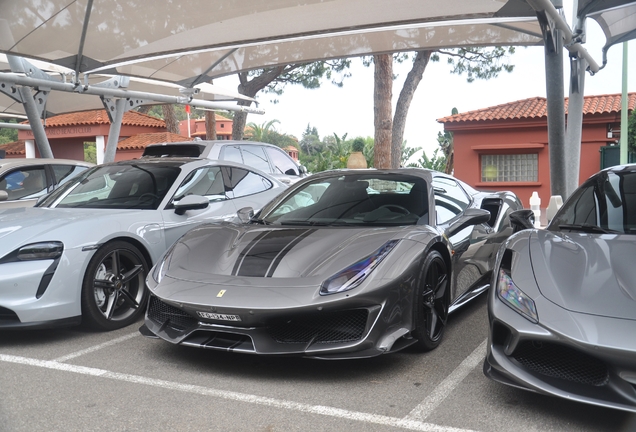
(113, 291)
(431, 302)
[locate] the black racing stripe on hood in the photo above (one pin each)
(263, 254)
(247, 249)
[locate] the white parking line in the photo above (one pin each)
(404, 423)
(443, 389)
(96, 347)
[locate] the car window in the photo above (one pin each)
(240, 182)
(607, 201)
(206, 181)
(370, 199)
(283, 164)
(254, 156)
(450, 199)
(64, 173)
(24, 183)
(308, 195)
(132, 186)
(232, 154)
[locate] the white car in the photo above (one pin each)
(23, 181)
(81, 255)
(265, 157)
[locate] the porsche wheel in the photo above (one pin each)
(114, 291)
(431, 302)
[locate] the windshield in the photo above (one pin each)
(353, 199)
(130, 186)
(604, 204)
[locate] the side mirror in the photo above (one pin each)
(470, 217)
(191, 202)
(521, 219)
(302, 169)
(4, 195)
(245, 214)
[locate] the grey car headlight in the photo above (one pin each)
(516, 299)
(161, 268)
(40, 251)
(353, 275)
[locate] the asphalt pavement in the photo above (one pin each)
(77, 380)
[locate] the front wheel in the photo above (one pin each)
(431, 302)
(114, 291)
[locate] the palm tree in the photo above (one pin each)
(260, 132)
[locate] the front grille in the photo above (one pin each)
(562, 362)
(336, 327)
(161, 312)
(7, 315)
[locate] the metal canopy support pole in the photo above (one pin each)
(116, 115)
(34, 115)
(624, 122)
(575, 124)
(33, 104)
(553, 45)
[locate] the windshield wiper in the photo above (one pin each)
(260, 221)
(588, 228)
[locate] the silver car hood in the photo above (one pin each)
(249, 255)
(588, 273)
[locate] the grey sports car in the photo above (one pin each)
(83, 253)
(344, 264)
(563, 311)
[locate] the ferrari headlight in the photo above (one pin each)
(511, 295)
(353, 275)
(40, 251)
(161, 268)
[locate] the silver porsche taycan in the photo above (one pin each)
(563, 308)
(82, 254)
(344, 264)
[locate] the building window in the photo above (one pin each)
(510, 168)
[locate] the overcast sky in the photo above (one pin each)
(350, 109)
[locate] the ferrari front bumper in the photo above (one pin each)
(346, 331)
(580, 357)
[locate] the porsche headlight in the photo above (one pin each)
(512, 296)
(353, 275)
(40, 251)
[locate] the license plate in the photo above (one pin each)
(221, 317)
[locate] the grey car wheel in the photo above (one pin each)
(113, 292)
(431, 302)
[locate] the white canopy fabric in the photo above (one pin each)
(191, 41)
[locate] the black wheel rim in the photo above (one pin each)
(434, 299)
(118, 285)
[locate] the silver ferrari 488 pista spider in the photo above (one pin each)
(343, 264)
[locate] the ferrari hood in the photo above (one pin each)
(587, 273)
(263, 256)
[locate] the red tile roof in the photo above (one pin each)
(14, 148)
(131, 118)
(537, 107)
(140, 141)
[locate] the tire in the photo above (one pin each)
(114, 296)
(431, 302)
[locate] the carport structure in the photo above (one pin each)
(191, 42)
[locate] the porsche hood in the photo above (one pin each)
(586, 273)
(231, 254)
